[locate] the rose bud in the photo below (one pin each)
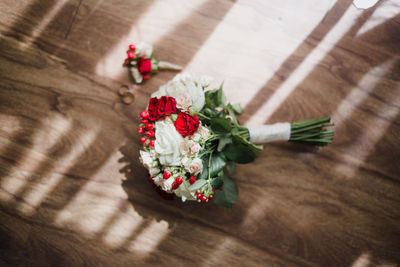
(149, 126)
(131, 55)
(152, 143)
(192, 179)
(132, 47)
(150, 134)
(144, 114)
(140, 130)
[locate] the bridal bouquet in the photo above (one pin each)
(192, 140)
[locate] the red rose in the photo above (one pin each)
(144, 66)
(159, 108)
(186, 124)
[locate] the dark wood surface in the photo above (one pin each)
(73, 192)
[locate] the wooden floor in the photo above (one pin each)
(73, 192)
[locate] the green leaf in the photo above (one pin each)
(230, 189)
(240, 139)
(221, 96)
(240, 153)
(204, 173)
(228, 195)
(223, 141)
(199, 183)
(217, 164)
(211, 97)
(174, 117)
(217, 182)
(237, 108)
(231, 166)
(220, 125)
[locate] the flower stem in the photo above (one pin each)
(312, 132)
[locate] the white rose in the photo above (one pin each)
(143, 50)
(195, 167)
(167, 143)
(183, 191)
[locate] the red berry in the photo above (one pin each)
(167, 174)
(145, 121)
(146, 77)
(132, 47)
(150, 134)
(144, 114)
(149, 126)
(126, 61)
(203, 198)
(140, 130)
(131, 55)
(210, 197)
(175, 185)
(179, 180)
(143, 139)
(197, 192)
(213, 190)
(152, 142)
(221, 188)
(192, 179)
(198, 196)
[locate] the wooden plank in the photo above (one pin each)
(74, 193)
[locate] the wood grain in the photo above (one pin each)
(73, 192)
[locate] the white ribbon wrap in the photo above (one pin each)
(269, 133)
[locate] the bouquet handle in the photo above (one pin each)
(269, 133)
(311, 132)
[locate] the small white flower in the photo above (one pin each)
(154, 171)
(184, 192)
(196, 166)
(195, 137)
(166, 184)
(184, 101)
(144, 50)
(146, 159)
(194, 148)
(167, 143)
(205, 81)
(184, 147)
(205, 133)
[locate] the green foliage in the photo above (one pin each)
(221, 126)
(228, 144)
(240, 153)
(226, 197)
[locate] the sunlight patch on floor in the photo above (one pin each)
(385, 11)
(303, 70)
(363, 261)
(148, 240)
(365, 142)
(274, 39)
(46, 20)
